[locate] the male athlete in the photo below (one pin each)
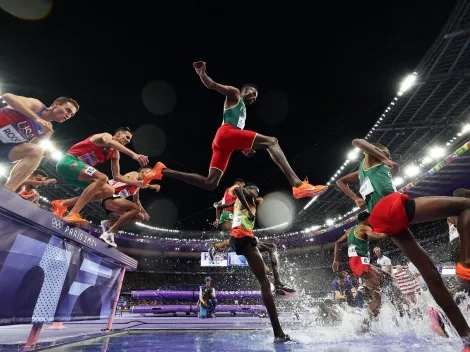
(77, 169)
(128, 211)
(28, 188)
(230, 137)
(23, 124)
(244, 243)
(392, 212)
(359, 260)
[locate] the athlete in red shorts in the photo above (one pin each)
(358, 251)
(392, 212)
(28, 188)
(230, 137)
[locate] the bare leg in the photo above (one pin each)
(272, 146)
(130, 212)
(210, 182)
(372, 282)
(273, 257)
(255, 261)
(435, 208)
(97, 196)
(408, 245)
(29, 156)
(98, 185)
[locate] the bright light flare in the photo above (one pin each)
(412, 170)
(407, 83)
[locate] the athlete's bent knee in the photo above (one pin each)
(140, 216)
(102, 178)
(211, 184)
(107, 191)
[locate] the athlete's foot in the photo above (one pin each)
(282, 289)
(104, 226)
(108, 238)
(58, 209)
(307, 190)
(283, 339)
(75, 219)
(212, 250)
(155, 174)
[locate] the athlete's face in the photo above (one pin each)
(240, 184)
(249, 95)
(144, 172)
(123, 137)
(378, 252)
(63, 112)
(39, 178)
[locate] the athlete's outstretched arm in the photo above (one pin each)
(28, 107)
(368, 148)
(343, 184)
(374, 235)
(228, 91)
(227, 205)
(338, 244)
(106, 140)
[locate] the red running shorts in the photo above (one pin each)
(357, 267)
(389, 215)
(226, 141)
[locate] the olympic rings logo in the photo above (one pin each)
(57, 223)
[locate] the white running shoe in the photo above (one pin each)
(108, 238)
(104, 226)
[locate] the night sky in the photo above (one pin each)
(325, 73)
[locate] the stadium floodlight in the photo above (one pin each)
(3, 170)
(352, 155)
(57, 155)
(412, 170)
(397, 181)
(426, 160)
(407, 83)
(466, 128)
(437, 152)
(47, 144)
(329, 222)
(400, 93)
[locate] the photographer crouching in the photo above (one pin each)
(207, 300)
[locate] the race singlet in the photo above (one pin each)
(237, 220)
(242, 118)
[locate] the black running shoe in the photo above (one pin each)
(283, 289)
(212, 250)
(284, 339)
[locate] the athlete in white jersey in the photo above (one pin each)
(128, 211)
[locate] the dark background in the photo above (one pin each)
(325, 73)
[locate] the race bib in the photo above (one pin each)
(365, 260)
(453, 233)
(352, 250)
(88, 158)
(90, 171)
(237, 220)
(230, 216)
(366, 188)
(242, 118)
(124, 193)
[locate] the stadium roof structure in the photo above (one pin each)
(431, 112)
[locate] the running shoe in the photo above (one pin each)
(283, 289)
(462, 272)
(75, 219)
(104, 226)
(155, 174)
(108, 238)
(212, 250)
(58, 209)
(307, 190)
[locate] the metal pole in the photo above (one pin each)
(109, 325)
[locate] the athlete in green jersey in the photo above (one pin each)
(244, 243)
(393, 212)
(230, 137)
(358, 251)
